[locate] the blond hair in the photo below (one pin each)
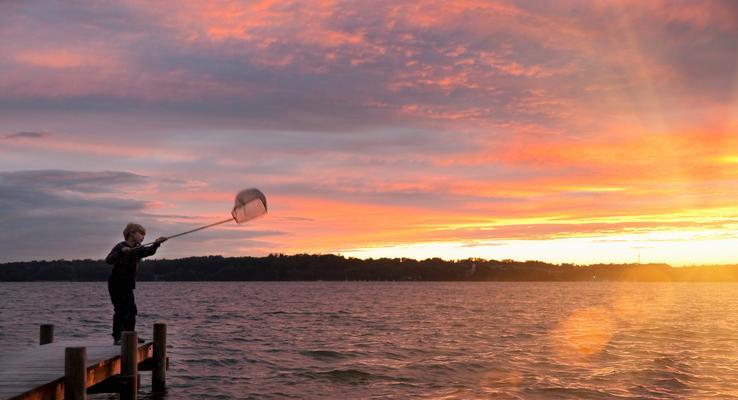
(131, 227)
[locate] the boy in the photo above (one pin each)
(125, 257)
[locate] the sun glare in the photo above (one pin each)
(680, 247)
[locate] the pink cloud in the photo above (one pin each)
(71, 146)
(57, 59)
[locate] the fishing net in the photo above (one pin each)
(250, 203)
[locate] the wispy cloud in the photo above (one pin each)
(28, 135)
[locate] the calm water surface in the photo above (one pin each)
(412, 340)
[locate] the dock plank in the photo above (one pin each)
(38, 372)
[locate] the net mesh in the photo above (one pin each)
(250, 203)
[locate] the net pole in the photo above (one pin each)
(201, 228)
(195, 230)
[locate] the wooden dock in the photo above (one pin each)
(71, 369)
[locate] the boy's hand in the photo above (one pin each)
(160, 240)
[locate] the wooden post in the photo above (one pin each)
(129, 366)
(159, 372)
(75, 373)
(46, 334)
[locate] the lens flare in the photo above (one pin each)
(585, 332)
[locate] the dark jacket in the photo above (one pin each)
(125, 265)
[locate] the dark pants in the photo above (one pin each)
(124, 304)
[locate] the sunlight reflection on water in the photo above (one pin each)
(584, 332)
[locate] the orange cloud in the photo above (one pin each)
(55, 59)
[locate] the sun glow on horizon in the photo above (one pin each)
(728, 160)
(703, 247)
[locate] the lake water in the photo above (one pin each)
(421, 340)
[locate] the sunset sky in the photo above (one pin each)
(561, 131)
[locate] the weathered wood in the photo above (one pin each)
(159, 372)
(38, 372)
(75, 373)
(46, 334)
(129, 366)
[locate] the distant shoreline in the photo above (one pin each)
(306, 267)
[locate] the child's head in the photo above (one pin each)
(131, 228)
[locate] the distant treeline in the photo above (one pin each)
(305, 267)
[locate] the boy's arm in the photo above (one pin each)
(149, 250)
(114, 255)
(145, 251)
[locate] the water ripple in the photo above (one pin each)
(413, 340)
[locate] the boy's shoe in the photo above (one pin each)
(141, 340)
